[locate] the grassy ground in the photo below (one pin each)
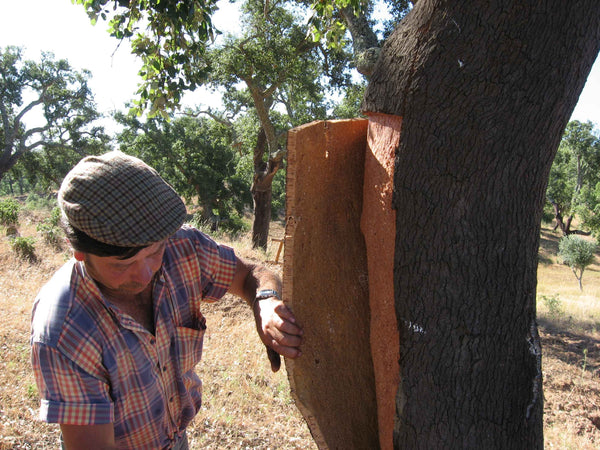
(248, 407)
(570, 330)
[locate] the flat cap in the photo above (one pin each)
(120, 200)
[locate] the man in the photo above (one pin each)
(117, 331)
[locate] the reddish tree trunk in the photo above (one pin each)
(484, 90)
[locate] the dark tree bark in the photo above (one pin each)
(484, 90)
(10, 184)
(261, 190)
(565, 227)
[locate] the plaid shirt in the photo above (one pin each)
(95, 365)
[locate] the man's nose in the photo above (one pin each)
(145, 273)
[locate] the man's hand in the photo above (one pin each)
(278, 330)
(275, 322)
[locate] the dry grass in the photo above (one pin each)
(570, 330)
(19, 284)
(248, 407)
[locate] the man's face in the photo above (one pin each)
(125, 276)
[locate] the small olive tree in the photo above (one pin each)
(578, 253)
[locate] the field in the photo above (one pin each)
(248, 407)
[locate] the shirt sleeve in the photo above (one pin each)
(218, 267)
(69, 395)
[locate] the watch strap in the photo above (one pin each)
(266, 293)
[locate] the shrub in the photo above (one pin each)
(55, 216)
(578, 253)
(9, 213)
(49, 228)
(35, 202)
(24, 247)
(554, 305)
(51, 235)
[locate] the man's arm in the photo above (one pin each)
(88, 437)
(275, 322)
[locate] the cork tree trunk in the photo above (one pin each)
(261, 189)
(484, 91)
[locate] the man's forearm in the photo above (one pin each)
(251, 278)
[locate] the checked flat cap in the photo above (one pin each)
(120, 200)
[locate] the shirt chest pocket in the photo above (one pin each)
(189, 342)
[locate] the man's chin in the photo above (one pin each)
(131, 289)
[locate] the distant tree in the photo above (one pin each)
(270, 63)
(577, 253)
(573, 177)
(349, 105)
(45, 168)
(58, 95)
(195, 156)
(589, 208)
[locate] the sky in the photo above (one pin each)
(64, 29)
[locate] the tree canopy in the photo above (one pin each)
(44, 105)
(171, 37)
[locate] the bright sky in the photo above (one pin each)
(64, 28)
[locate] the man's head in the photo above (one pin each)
(115, 204)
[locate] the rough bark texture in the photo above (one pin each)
(262, 190)
(378, 224)
(484, 90)
(364, 41)
(325, 281)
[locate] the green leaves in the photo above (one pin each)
(49, 86)
(9, 212)
(326, 24)
(169, 36)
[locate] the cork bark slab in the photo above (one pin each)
(378, 225)
(325, 283)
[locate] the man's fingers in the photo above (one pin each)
(284, 312)
(288, 329)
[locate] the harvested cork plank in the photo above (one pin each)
(326, 285)
(378, 225)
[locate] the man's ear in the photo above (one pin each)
(79, 256)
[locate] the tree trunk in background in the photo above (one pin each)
(10, 185)
(262, 216)
(261, 190)
(484, 90)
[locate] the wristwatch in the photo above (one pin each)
(266, 293)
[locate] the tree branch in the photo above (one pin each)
(364, 41)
